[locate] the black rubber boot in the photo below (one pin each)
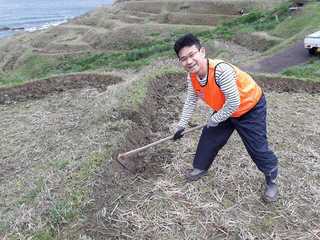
(271, 193)
(195, 174)
(271, 190)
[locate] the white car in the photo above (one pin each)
(312, 43)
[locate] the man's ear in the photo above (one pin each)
(203, 51)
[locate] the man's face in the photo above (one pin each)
(192, 59)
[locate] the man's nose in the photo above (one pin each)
(189, 60)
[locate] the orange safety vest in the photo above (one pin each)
(211, 93)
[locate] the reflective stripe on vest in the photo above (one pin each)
(211, 93)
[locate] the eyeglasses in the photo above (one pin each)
(184, 59)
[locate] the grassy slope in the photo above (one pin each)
(311, 70)
(136, 57)
(277, 22)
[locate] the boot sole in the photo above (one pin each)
(269, 200)
(196, 177)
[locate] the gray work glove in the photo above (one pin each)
(211, 123)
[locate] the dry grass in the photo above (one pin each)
(58, 135)
(45, 144)
(226, 204)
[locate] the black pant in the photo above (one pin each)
(252, 129)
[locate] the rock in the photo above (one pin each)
(17, 28)
(4, 28)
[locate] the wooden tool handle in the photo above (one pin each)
(132, 152)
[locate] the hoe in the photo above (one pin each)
(124, 156)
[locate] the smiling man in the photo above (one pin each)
(237, 103)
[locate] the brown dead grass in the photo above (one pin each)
(60, 132)
(226, 204)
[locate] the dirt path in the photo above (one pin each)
(294, 55)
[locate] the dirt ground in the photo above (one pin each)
(45, 140)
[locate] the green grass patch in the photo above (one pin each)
(310, 70)
(59, 164)
(255, 20)
(61, 212)
(43, 235)
(305, 21)
(66, 209)
(36, 67)
(11, 79)
(135, 58)
(31, 195)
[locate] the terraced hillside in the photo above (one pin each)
(106, 29)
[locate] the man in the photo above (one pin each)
(238, 103)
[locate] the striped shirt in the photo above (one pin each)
(226, 80)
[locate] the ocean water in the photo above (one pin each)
(30, 15)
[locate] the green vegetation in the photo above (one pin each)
(302, 22)
(43, 235)
(310, 70)
(135, 58)
(40, 67)
(31, 196)
(253, 21)
(61, 212)
(278, 22)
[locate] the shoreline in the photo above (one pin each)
(7, 31)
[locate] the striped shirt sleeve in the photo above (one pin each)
(189, 104)
(226, 80)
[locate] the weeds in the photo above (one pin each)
(61, 212)
(43, 235)
(310, 70)
(31, 195)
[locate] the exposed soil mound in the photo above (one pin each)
(41, 88)
(256, 41)
(287, 84)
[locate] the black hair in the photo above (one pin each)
(186, 40)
